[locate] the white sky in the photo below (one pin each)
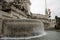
(38, 6)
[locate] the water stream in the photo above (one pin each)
(23, 29)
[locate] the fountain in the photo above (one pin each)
(22, 28)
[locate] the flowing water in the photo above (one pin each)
(38, 32)
(23, 29)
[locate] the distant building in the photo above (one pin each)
(57, 24)
(48, 23)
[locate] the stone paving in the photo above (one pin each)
(51, 35)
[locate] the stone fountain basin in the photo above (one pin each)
(23, 28)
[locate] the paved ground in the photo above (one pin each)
(51, 35)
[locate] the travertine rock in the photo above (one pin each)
(23, 27)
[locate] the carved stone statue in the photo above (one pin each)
(6, 6)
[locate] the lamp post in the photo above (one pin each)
(46, 12)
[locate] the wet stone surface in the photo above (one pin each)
(51, 35)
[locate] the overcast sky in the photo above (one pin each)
(38, 6)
